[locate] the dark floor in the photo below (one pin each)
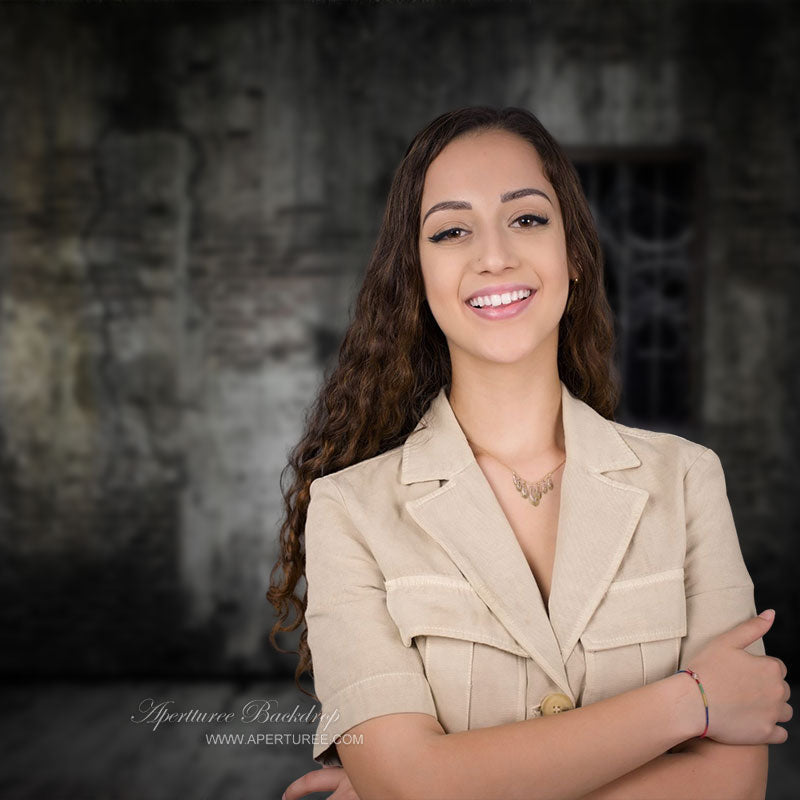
(76, 742)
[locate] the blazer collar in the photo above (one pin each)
(597, 518)
(440, 450)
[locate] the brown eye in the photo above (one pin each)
(445, 235)
(535, 219)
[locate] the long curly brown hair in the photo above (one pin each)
(394, 358)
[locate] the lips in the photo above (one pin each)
(501, 312)
(500, 288)
(495, 300)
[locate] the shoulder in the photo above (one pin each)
(662, 448)
(376, 474)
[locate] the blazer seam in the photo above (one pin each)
(361, 538)
(332, 604)
(341, 497)
(602, 643)
(374, 678)
(473, 636)
(647, 580)
(353, 467)
(444, 581)
(721, 589)
(699, 456)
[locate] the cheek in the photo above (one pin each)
(441, 289)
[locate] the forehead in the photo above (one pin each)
(489, 162)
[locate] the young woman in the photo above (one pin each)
(502, 581)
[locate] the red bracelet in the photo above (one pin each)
(692, 674)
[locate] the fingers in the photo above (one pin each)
(318, 780)
(782, 665)
(778, 736)
(745, 633)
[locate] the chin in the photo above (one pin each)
(502, 349)
(533, 351)
(505, 355)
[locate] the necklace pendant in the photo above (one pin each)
(533, 491)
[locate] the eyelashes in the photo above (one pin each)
(539, 219)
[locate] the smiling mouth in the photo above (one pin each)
(497, 300)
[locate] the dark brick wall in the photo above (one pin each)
(189, 195)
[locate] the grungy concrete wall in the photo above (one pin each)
(189, 195)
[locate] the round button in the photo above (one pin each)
(556, 703)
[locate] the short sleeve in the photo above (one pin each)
(360, 666)
(719, 589)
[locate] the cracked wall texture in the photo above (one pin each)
(189, 195)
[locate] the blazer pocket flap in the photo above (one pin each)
(636, 610)
(435, 605)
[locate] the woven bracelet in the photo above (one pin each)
(692, 674)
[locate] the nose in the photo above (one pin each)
(495, 252)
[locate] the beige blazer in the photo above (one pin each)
(421, 599)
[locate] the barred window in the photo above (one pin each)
(645, 205)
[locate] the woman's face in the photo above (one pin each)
(490, 226)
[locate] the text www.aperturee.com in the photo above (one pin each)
(281, 738)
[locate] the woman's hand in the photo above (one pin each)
(328, 779)
(746, 694)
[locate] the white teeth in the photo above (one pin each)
(499, 299)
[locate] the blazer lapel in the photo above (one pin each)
(597, 518)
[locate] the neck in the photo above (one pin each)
(514, 417)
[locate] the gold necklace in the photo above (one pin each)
(530, 491)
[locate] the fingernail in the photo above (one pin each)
(768, 614)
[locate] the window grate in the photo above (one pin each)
(645, 207)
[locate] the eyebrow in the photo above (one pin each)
(459, 205)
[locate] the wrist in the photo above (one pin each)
(688, 711)
(696, 678)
